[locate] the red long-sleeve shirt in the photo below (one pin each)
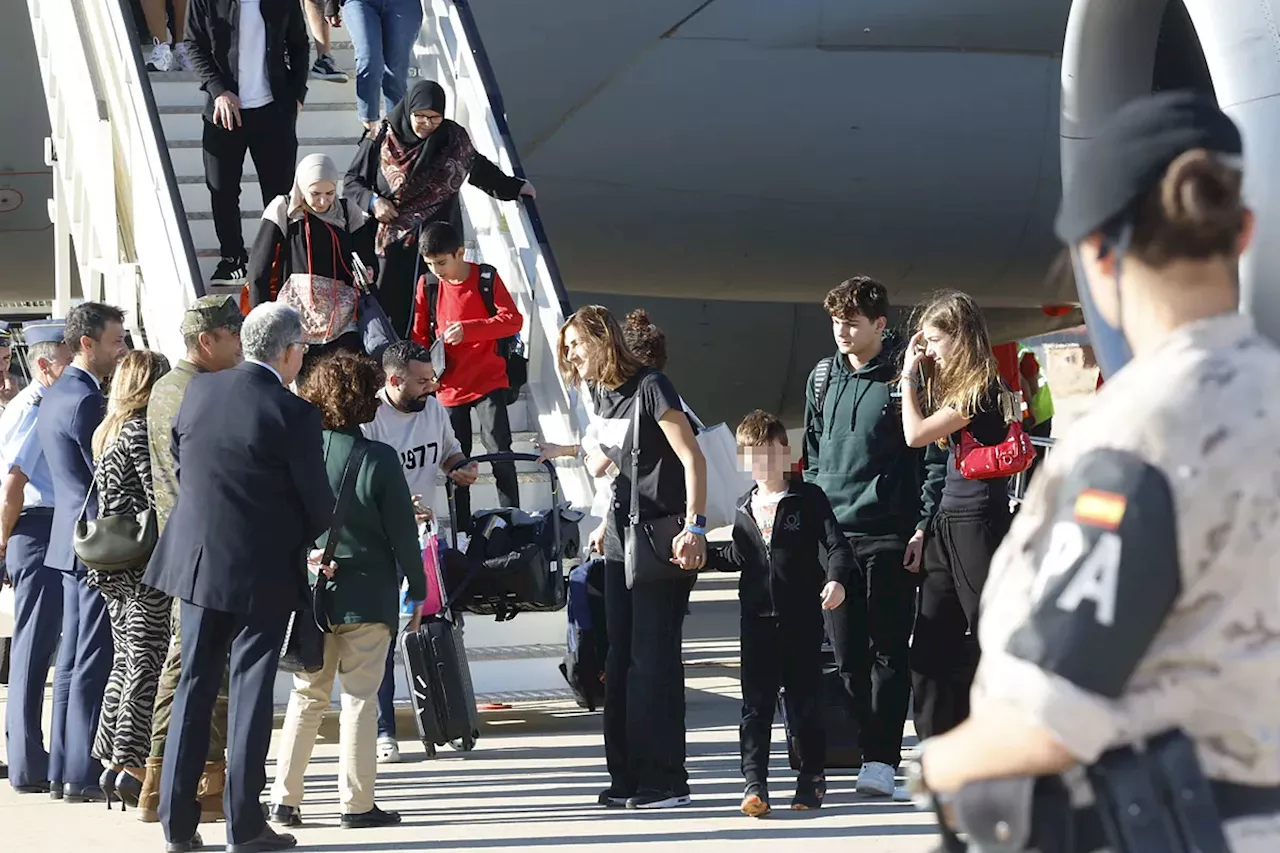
(473, 368)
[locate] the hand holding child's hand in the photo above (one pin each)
(832, 595)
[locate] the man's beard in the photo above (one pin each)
(413, 404)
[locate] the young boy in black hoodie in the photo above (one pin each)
(781, 526)
(883, 494)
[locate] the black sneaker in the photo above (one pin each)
(290, 816)
(658, 800)
(755, 800)
(612, 798)
(232, 271)
(810, 792)
(374, 817)
(326, 69)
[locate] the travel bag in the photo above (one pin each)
(440, 689)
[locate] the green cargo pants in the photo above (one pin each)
(169, 686)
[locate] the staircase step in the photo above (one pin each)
(179, 88)
(326, 121)
(188, 158)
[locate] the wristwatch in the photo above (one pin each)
(696, 524)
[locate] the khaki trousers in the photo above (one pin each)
(357, 655)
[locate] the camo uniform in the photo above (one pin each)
(1138, 590)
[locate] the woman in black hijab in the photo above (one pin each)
(407, 174)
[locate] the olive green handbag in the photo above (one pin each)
(115, 543)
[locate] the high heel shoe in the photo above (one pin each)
(107, 782)
(128, 788)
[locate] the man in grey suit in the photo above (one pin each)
(253, 496)
(70, 411)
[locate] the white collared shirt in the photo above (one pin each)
(275, 372)
(97, 383)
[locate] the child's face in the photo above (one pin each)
(767, 461)
(451, 267)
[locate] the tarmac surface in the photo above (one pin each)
(531, 782)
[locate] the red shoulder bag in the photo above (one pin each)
(987, 462)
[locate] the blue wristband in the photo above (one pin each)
(693, 528)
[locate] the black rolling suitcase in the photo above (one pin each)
(843, 731)
(444, 702)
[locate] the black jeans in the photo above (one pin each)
(944, 654)
(269, 134)
(871, 638)
(644, 733)
(495, 433)
(782, 652)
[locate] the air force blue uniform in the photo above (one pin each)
(71, 410)
(37, 591)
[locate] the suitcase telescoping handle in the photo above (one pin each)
(450, 487)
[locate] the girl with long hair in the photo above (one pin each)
(951, 384)
(139, 614)
(644, 731)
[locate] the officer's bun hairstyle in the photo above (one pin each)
(760, 428)
(1195, 213)
(645, 340)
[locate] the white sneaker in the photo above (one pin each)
(875, 780)
(184, 61)
(161, 57)
(388, 750)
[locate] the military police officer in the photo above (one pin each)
(26, 515)
(1133, 604)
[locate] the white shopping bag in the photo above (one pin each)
(726, 481)
(6, 611)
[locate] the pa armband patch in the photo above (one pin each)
(1108, 574)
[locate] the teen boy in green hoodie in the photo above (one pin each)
(883, 497)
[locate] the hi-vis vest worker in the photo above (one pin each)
(1128, 695)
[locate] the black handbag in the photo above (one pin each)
(648, 543)
(376, 331)
(303, 647)
(115, 543)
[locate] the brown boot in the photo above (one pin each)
(209, 791)
(149, 798)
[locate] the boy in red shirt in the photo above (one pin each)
(475, 374)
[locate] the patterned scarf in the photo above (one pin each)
(419, 190)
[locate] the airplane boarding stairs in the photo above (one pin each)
(134, 227)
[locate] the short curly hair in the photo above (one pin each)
(858, 295)
(645, 340)
(344, 387)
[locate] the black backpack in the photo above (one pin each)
(511, 349)
(588, 642)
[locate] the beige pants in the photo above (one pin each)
(357, 654)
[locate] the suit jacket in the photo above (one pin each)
(72, 408)
(253, 495)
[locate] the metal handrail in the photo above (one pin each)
(1018, 488)
(490, 84)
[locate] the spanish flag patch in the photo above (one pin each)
(1100, 509)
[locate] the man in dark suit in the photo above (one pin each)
(253, 496)
(70, 411)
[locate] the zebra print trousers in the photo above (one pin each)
(140, 632)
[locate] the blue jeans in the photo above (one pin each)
(387, 695)
(384, 32)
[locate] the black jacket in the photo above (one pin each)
(213, 43)
(253, 496)
(786, 579)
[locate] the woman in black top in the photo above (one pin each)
(644, 734)
(407, 174)
(962, 392)
(303, 256)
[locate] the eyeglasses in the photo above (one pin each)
(428, 119)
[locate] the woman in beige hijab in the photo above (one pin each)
(305, 256)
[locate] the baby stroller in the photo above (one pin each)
(515, 560)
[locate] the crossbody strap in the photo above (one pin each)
(635, 457)
(346, 491)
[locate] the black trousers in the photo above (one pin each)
(398, 271)
(495, 433)
(787, 653)
(254, 644)
(644, 731)
(269, 134)
(944, 654)
(871, 638)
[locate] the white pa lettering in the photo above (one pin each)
(1066, 547)
(1097, 580)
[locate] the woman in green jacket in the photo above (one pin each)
(378, 532)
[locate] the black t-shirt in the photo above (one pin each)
(661, 473)
(987, 427)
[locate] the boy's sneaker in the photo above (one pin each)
(611, 798)
(161, 57)
(875, 780)
(230, 271)
(326, 69)
(184, 58)
(388, 750)
(810, 792)
(658, 800)
(755, 800)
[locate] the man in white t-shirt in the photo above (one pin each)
(412, 421)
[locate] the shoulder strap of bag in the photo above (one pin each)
(487, 273)
(637, 401)
(93, 487)
(433, 300)
(821, 378)
(346, 491)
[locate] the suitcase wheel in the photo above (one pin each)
(431, 749)
(465, 744)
